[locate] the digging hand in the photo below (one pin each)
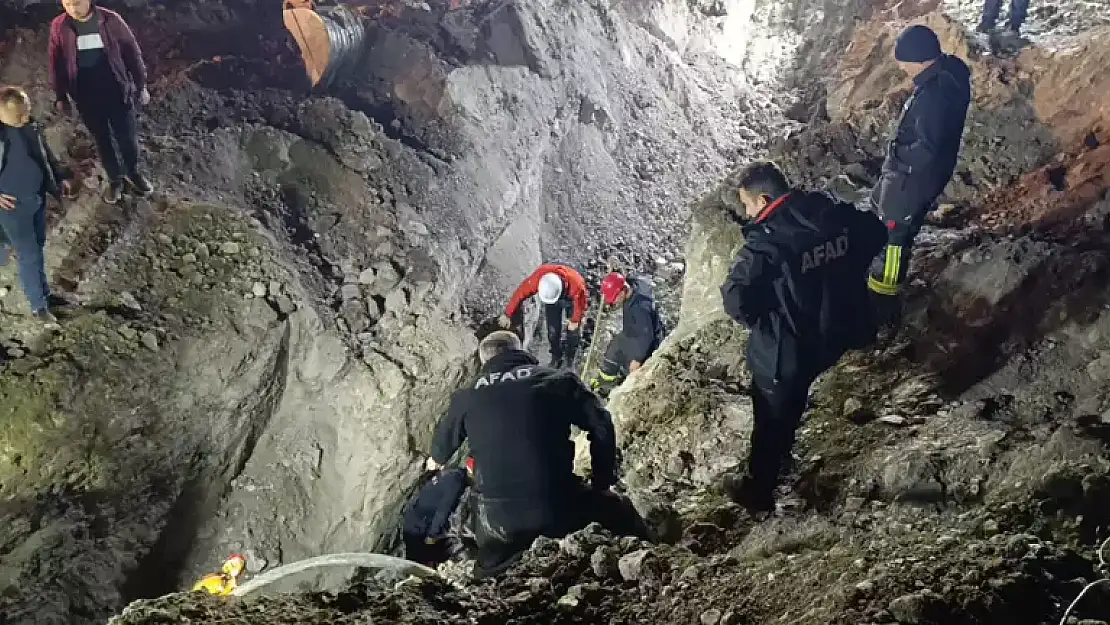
(504, 321)
(144, 97)
(7, 202)
(571, 326)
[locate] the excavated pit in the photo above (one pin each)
(264, 346)
(293, 301)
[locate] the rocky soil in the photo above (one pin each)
(264, 346)
(293, 303)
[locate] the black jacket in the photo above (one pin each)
(800, 284)
(925, 147)
(642, 329)
(53, 172)
(517, 418)
(428, 514)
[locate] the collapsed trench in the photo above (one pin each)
(167, 567)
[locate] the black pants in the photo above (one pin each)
(555, 314)
(904, 214)
(1019, 9)
(777, 408)
(504, 529)
(109, 118)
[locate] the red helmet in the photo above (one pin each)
(612, 286)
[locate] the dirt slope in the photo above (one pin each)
(956, 476)
(264, 346)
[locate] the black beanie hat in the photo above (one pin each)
(917, 44)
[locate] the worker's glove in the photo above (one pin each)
(431, 465)
(144, 97)
(504, 322)
(571, 326)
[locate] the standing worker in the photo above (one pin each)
(28, 172)
(562, 291)
(798, 284)
(641, 329)
(517, 418)
(95, 60)
(920, 157)
(991, 8)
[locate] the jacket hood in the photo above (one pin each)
(641, 287)
(509, 360)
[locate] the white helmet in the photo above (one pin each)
(551, 287)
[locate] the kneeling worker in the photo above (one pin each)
(517, 418)
(563, 293)
(800, 285)
(641, 329)
(430, 536)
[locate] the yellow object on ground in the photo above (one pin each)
(223, 583)
(216, 584)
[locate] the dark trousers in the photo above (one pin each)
(1019, 9)
(112, 122)
(25, 229)
(904, 214)
(561, 351)
(777, 408)
(442, 549)
(504, 529)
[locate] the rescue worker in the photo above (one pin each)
(227, 580)
(96, 62)
(641, 329)
(517, 418)
(28, 172)
(920, 157)
(991, 8)
(563, 293)
(426, 527)
(798, 284)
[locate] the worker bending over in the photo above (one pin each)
(641, 329)
(562, 291)
(430, 527)
(799, 285)
(517, 418)
(920, 159)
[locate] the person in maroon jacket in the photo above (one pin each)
(96, 62)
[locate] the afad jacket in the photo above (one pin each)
(800, 284)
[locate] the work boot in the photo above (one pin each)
(113, 192)
(741, 488)
(556, 362)
(140, 184)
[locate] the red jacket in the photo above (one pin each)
(574, 285)
(119, 43)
